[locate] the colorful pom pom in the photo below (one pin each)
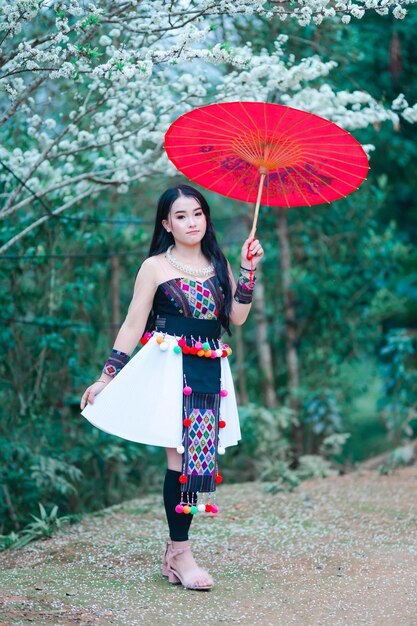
(223, 393)
(214, 508)
(193, 510)
(187, 509)
(159, 339)
(177, 349)
(198, 345)
(221, 450)
(207, 353)
(183, 479)
(163, 346)
(224, 353)
(201, 508)
(206, 345)
(187, 391)
(200, 353)
(219, 352)
(213, 354)
(222, 423)
(208, 508)
(182, 342)
(186, 350)
(179, 508)
(218, 479)
(193, 350)
(144, 341)
(186, 422)
(180, 449)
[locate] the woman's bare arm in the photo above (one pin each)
(140, 306)
(134, 324)
(239, 312)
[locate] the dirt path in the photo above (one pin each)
(336, 552)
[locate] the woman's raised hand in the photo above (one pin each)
(255, 250)
(92, 391)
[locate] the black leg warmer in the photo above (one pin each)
(178, 523)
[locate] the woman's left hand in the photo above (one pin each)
(255, 249)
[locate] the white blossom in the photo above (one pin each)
(399, 12)
(119, 78)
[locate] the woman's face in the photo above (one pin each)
(186, 221)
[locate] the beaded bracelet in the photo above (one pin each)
(244, 289)
(116, 361)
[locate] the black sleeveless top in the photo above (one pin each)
(189, 297)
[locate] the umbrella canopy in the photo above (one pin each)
(266, 153)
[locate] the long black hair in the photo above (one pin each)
(162, 239)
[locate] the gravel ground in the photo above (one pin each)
(336, 552)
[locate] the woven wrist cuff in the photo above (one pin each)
(116, 361)
(244, 289)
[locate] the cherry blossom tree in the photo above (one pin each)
(89, 90)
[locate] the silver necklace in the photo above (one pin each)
(188, 269)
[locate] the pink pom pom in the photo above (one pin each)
(223, 393)
(213, 354)
(214, 508)
(179, 508)
(198, 345)
(187, 391)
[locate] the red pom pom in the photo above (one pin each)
(187, 422)
(186, 350)
(224, 353)
(182, 342)
(218, 479)
(222, 424)
(144, 341)
(193, 350)
(208, 508)
(183, 479)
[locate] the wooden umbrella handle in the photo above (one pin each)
(256, 213)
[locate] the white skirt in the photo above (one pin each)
(143, 403)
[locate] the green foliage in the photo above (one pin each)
(266, 445)
(42, 527)
(404, 455)
(314, 466)
(398, 402)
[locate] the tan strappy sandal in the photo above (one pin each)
(174, 577)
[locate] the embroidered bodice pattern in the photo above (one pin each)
(193, 298)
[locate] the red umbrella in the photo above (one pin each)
(266, 153)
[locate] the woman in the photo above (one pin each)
(177, 391)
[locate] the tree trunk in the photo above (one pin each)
(263, 346)
(240, 361)
(290, 331)
(115, 296)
